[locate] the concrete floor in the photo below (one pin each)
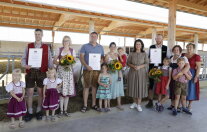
(125, 121)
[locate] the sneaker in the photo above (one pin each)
(179, 109)
(157, 107)
(47, 118)
(39, 115)
(170, 107)
(186, 111)
(174, 112)
(53, 119)
(134, 105)
(161, 108)
(150, 104)
(139, 108)
(28, 117)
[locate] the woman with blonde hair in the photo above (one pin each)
(68, 88)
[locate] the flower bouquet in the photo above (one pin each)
(115, 65)
(155, 74)
(66, 61)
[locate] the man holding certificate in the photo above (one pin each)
(157, 53)
(91, 56)
(36, 60)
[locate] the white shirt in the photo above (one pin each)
(175, 61)
(16, 88)
(168, 51)
(52, 84)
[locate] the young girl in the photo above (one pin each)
(17, 104)
(50, 93)
(104, 92)
(162, 87)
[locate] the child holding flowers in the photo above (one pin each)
(162, 87)
(66, 56)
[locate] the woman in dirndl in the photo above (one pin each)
(195, 66)
(68, 88)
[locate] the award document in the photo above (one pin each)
(35, 57)
(155, 56)
(95, 61)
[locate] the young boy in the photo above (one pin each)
(181, 80)
(122, 59)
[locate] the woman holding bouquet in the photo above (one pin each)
(117, 86)
(65, 72)
(137, 76)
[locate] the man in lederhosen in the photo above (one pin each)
(35, 76)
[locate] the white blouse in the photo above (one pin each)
(52, 84)
(64, 53)
(15, 87)
(175, 61)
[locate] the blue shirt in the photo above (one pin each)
(89, 48)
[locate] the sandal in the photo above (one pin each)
(53, 119)
(95, 107)
(83, 109)
(60, 114)
(21, 124)
(12, 126)
(66, 114)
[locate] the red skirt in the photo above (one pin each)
(161, 86)
(15, 108)
(51, 101)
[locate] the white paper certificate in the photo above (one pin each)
(95, 61)
(35, 57)
(155, 56)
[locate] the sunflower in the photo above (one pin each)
(118, 65)
(70, 58)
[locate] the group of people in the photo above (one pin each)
(179, 81)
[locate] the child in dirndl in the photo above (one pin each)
(17, 105)
(50, 93)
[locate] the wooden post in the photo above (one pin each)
(99, 38)
(154, 32)
(91, 26)
(172, 23)
(196, 42)
(53, 38)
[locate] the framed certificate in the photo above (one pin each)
(155, 56)
(95, 61)
(35, 57)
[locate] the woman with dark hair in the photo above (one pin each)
(117, 86)
(137, 76)
(177, 53)
(195, 65)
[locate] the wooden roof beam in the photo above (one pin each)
(63, 18)
(149, 31)
(113, 25)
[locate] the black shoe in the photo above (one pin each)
(39, 115)
(28, 117)
(170, 107)
(174, 112)
(186, 111)
(150, 104)
(157, 107)
(119, 78)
